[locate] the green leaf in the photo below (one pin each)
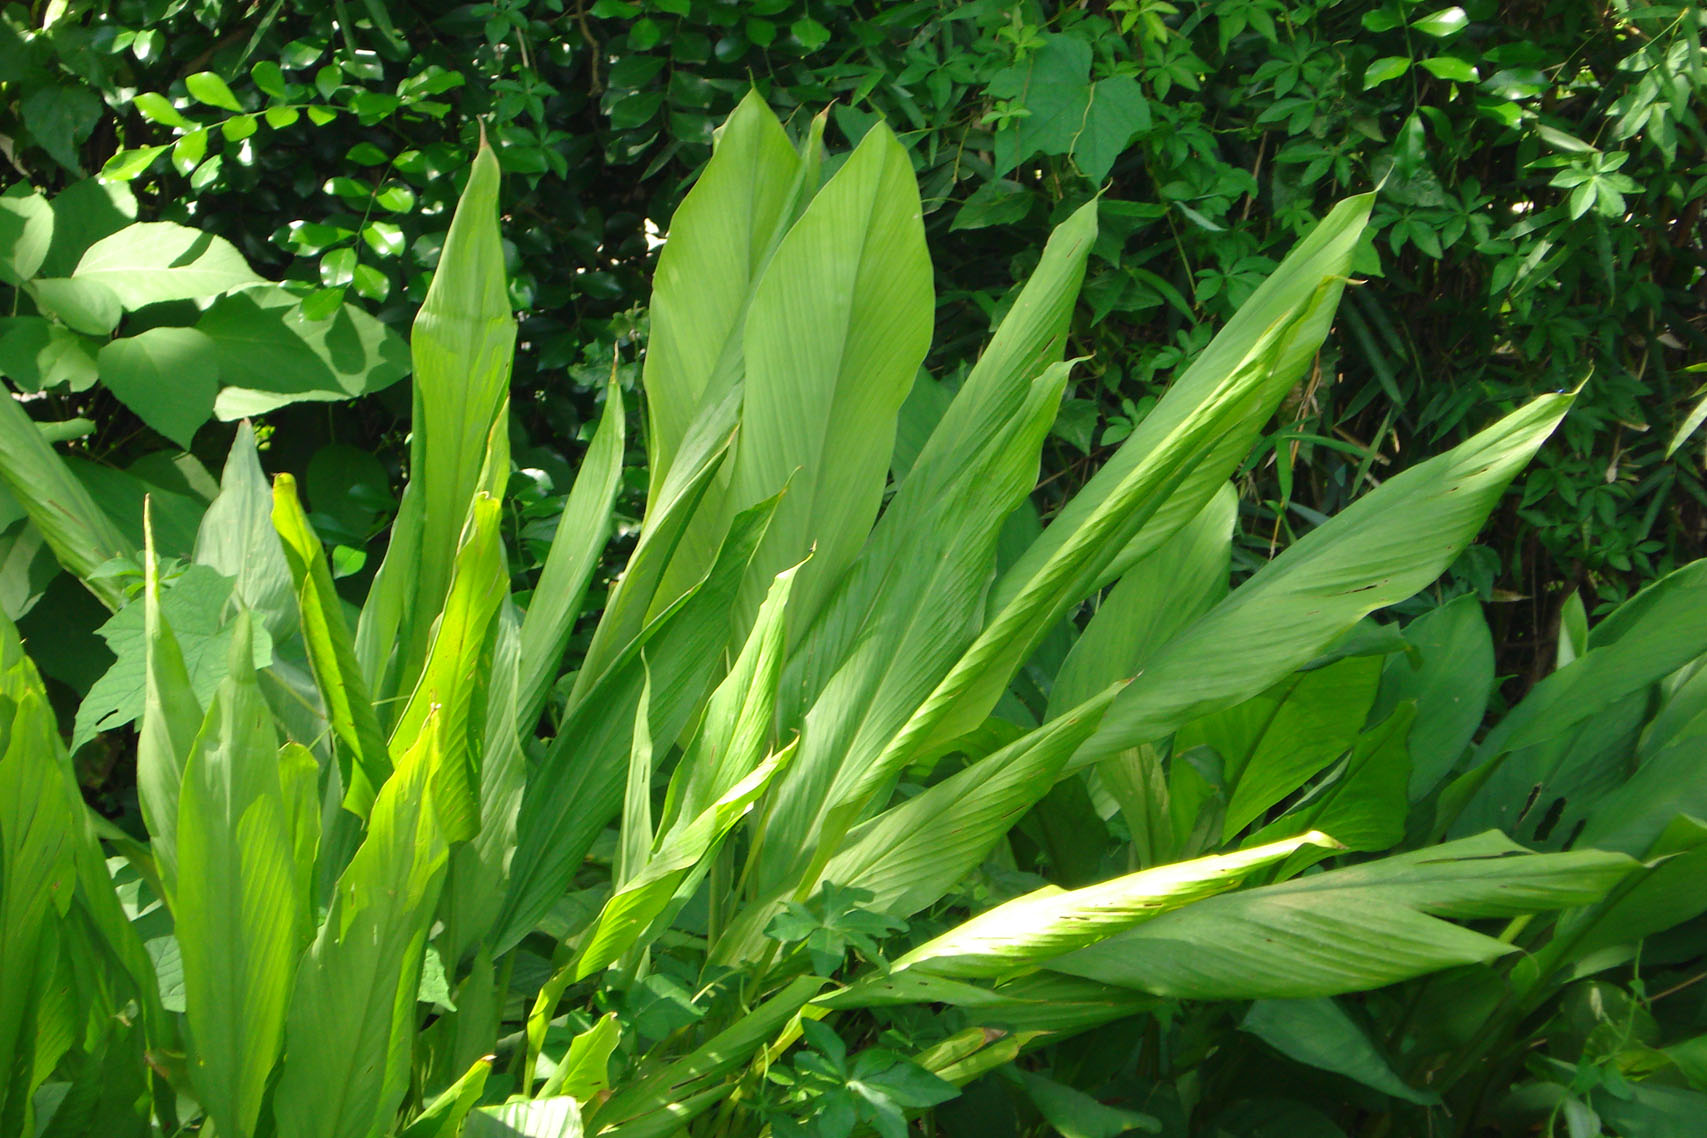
(462, 344)
(726, 226)
(1054, 85)
(130, 164)
(153, 261)
(193, 609)
(1347, 929)
(364, 760)
(272, 353)
(1074, 1114)
(1117, 110)
(555, 1117)
(351, 1023)
(1321, 1034)
(208, 88)
(452, 684)
(38, 822)
(576, 547)
(1449, 672)
(158, 108)
(83, 305)
(912, 599)
(1022, 934)
(1450, 68)
(1385, 70)
(80, 533)
(1380, 550)
(581, 778)
(1446, 22)
(238, 924)
(237, 540)
(585, 1071)
(838, 326)
(36, 353)
(168, 376)
(26, 233)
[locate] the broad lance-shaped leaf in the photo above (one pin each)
(352, 1015)
(1321, 1033)
(364, 762)
(80, 534)
(1161, 593)
(1023, 933)
(1660, 629)
(575, 791)
(1301, 295)
(474, 887)
(575, 550)
(911, 602)
(453, 680)
(238, 922)
(912, 854)
(720, 238)
(724, 231)
(734, 733)
(671, 1097)
(171, 720)
(680, 853)
(913, 599)
(1347, 930)
(967, 694)
(1383, 548)
(838, 326)
(38, 820)
(462, 343)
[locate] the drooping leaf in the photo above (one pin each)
(1347, 929)
(1319, 1033)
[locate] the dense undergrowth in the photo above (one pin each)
(838, 811)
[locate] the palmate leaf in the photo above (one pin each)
(1346, 930)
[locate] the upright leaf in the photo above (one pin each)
(462, 343)
(574, 555)
(352, 1015)
(364, 761)
(237, 920)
